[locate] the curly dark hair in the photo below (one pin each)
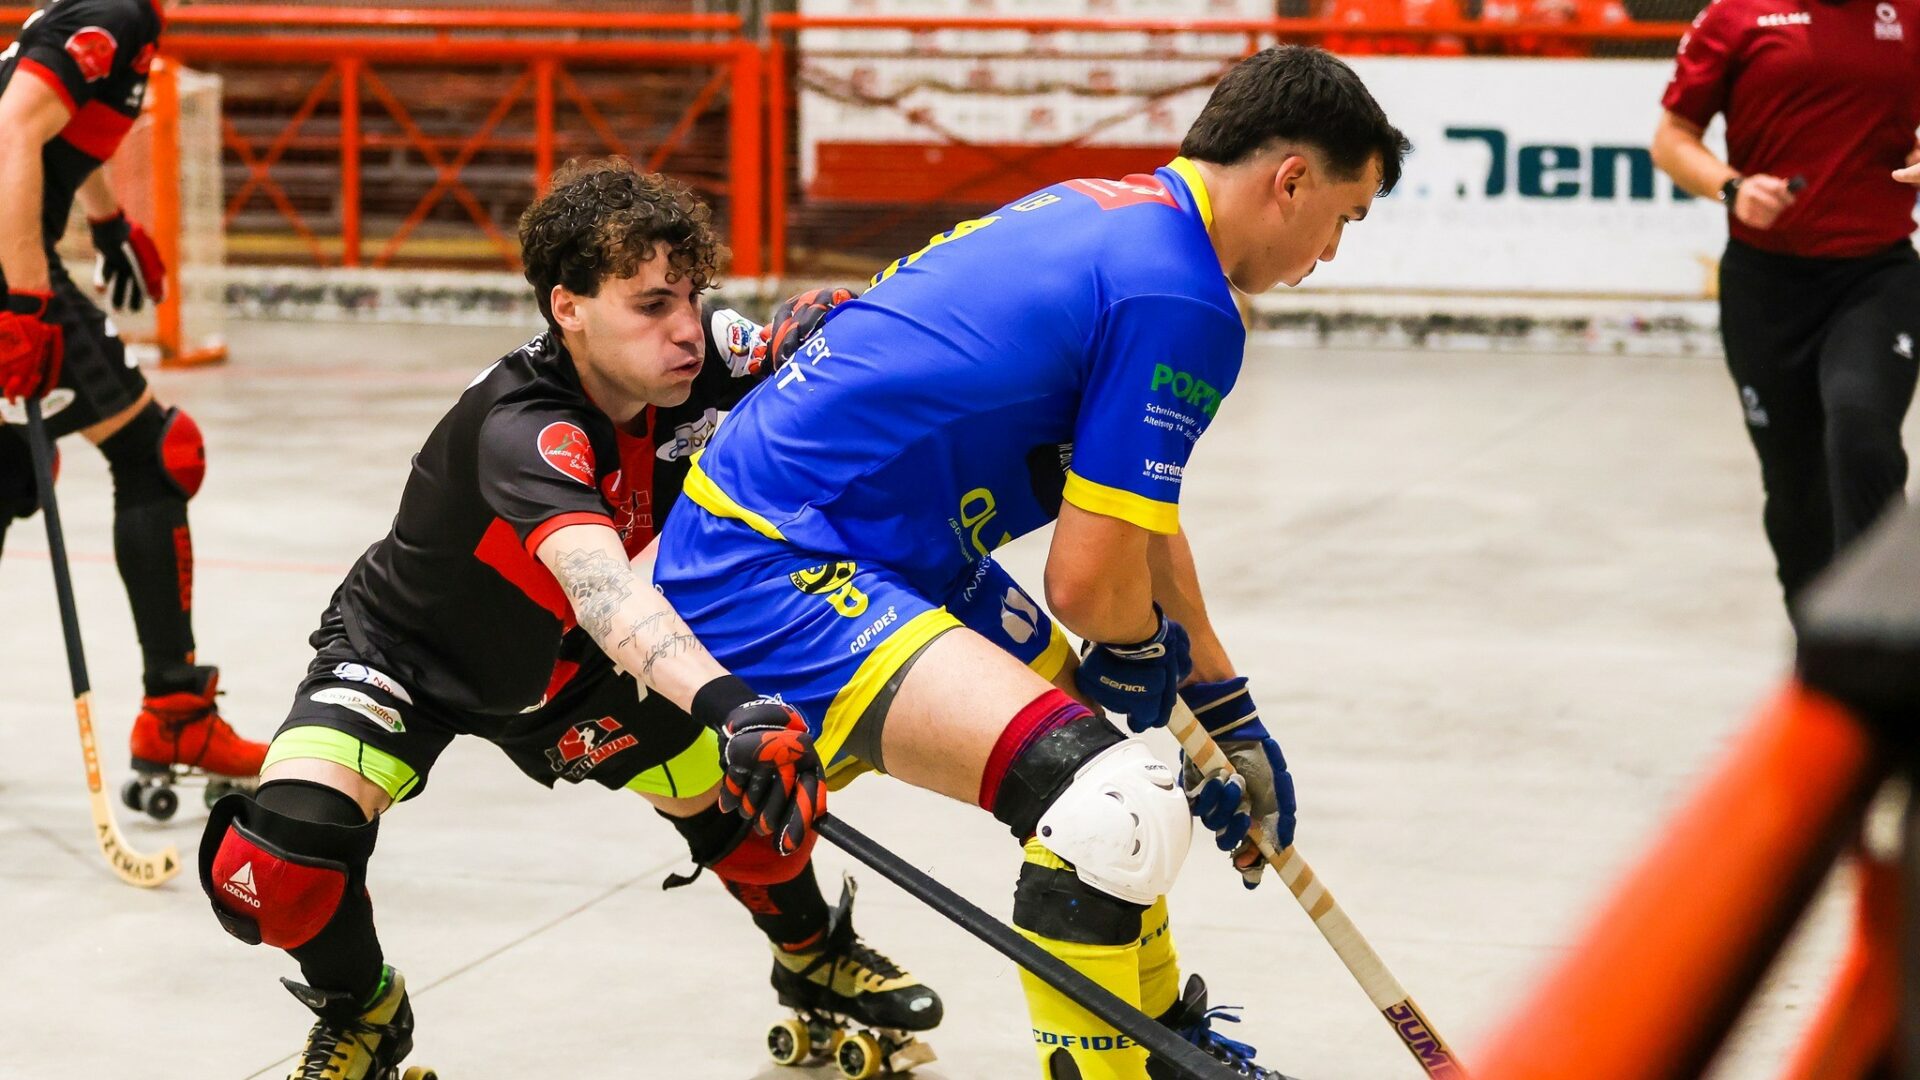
(1296, 93)
(602, 217)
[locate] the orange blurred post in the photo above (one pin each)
(1855, 1029)
(777, 155)
(543, 72)
(746, 190)
(163, 87)
(1650, 989)
(350, 160)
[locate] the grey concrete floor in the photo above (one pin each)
(1503, 610)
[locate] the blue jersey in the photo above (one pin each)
(1072, 345)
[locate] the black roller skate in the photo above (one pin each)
(349, 1043)
(851, 1004)
(1193, 1021)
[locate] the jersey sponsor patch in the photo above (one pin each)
(565, 447)
(362, 704)
(92, 48)
(361, 673)
(1130, 191)
(587, 744)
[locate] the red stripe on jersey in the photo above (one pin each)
(555, 524)
(45, 74)
(96, 130)
(500, 549)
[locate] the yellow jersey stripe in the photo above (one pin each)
(707, 495)
(1150, 514)
(1198, 186)
(871, 677)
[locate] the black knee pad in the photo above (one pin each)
(158, 456)
(1054, 903)
(280, 880)
(1039, 775)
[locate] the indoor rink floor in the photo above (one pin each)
(1502, 610)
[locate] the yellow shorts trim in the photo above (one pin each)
(1150, 514)
(1049, 663)
(690, 772)
(708, 496)
(395, 777)
(871, 677)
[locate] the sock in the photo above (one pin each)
(346, 955)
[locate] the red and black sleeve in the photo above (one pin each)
(77, 46)
(539, 470)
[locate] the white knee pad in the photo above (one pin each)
(1123, 824)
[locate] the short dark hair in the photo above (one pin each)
(602, 217)
(1296, 93)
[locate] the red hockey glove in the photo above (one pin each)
(773, 777)
(794, 320)
(30, 345)
(129, 263)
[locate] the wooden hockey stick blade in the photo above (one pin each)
(1167, 1047)
(134, 868)
(1385, 991)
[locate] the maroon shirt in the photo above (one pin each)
(1829, 91)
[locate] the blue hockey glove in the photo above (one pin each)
(1140, 679)
(1227, 712)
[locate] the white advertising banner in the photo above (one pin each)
(1530, 176)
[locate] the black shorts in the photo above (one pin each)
(97, 380)
(597, 726)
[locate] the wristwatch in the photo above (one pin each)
(1730, 189)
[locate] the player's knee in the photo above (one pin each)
(1099, 801)
(726, 844)
(158, 456)
(1864, 442)
(1122, 823)
(281, 868)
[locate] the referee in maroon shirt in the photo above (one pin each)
(1820, 286)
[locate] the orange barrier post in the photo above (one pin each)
(1652, 987)
(1855, 1029)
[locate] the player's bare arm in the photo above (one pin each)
(30, 114)
(631, 622)
(96, 196)
(1098, 581)
(1176, 587)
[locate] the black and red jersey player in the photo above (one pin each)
(505, 603)
(70, 87)
(1820, 285)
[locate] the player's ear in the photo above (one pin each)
(1288, 178)
(565, 305)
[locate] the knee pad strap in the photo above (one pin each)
(1052, 901)
(1044, 767)
(277, 880)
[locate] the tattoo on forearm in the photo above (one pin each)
(596, 584)
(643, 626)
(675, 644)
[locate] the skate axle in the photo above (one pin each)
(150, 790)
(859, 1052)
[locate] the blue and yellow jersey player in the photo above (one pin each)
(1053, 361)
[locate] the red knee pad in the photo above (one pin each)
(265, 893)
(183, 453)
(755, 861)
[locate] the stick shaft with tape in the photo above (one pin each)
(1385, 991)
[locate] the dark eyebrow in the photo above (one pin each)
(655, 293)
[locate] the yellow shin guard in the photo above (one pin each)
(1159, 962)
(1097, 1050)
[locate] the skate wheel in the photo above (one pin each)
(133, 794)
(161, 803)
(859, 1056)
(415, 1072)
(788, 1042)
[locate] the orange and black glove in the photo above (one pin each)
(773, 777)
(794, 320)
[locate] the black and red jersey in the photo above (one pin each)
(453, 602)
(95, 54)
(1827, 90)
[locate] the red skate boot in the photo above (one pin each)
(180, 736)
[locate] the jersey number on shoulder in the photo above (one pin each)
(965, 228)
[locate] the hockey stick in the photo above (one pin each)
(1385, 991)
(133, 867)
(1166, 1047)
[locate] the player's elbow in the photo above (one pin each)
(1669, 139)
(1082, 597)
